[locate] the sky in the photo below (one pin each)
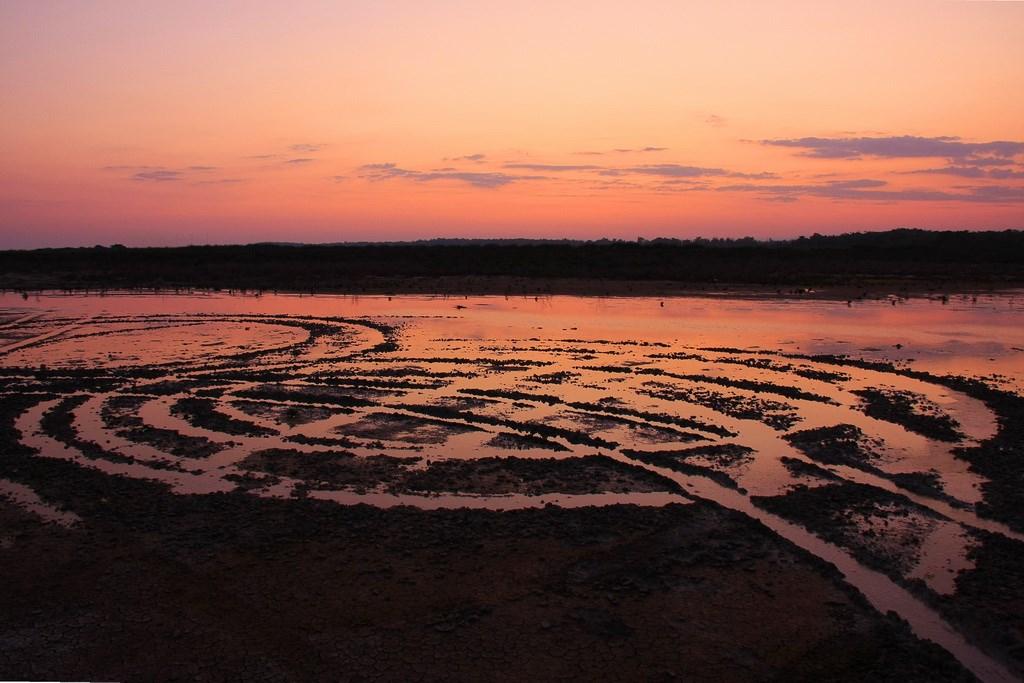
(191, 122)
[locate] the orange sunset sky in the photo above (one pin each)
(161, 123)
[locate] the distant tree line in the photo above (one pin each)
(897, 255)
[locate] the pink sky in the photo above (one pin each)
(198, 122)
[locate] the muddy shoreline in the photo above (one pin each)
(527, 493)
(852, 291)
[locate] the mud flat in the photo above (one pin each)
(716, 462)
(236, 586)
(887, 532)
(497, 489)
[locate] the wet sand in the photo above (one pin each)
(541, 480)
(232, 586)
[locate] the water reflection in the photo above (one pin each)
(502, 403)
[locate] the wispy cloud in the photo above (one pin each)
(387, 171)
(987, 161)
(298, 161)
(477, 158)
(681, 171)
(163, 174)
(877, 190)
(160, 176)
(903, 146)
(121, 169)
(623, 150)
(221, 181)
(673, 185)
(763, 175)
(972, 172)
(555, 167)
(997, 193)
(596, 175)
(1005, 173)
(302, 148)
(674, 170)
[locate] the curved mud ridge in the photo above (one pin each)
(879, 470)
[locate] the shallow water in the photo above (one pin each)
(216, 392)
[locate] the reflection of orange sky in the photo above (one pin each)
(89, 86)
(961, 337)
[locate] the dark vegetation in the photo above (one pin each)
(915, 258)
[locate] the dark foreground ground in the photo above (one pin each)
(859, 264)
(154, 586)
